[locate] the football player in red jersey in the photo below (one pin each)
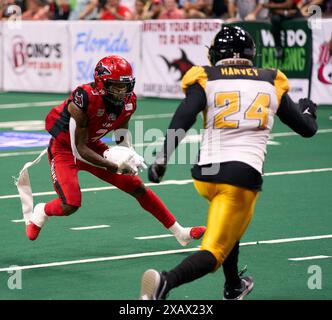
(76, 126)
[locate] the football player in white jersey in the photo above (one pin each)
(238, 102)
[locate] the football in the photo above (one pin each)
(124, 156)
(118, 154)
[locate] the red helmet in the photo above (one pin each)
(114, 78)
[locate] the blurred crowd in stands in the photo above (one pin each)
(229, 10)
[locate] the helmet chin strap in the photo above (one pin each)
(113, 101)
(234, 61)
(116, 102)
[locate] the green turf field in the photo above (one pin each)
(294, 209)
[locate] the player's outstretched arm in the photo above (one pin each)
(184, 117)
(300, 117)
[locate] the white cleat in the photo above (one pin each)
(189, 234)
(153, 286)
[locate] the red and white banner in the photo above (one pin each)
(321, 78)
(36, 57)
(171, 47)
(56, 56)
(93, 40)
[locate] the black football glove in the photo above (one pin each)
(156, 172)
(308, 107)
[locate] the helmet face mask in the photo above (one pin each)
(231, 43)
(117, 90)
(114, 79)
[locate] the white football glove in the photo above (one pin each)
(126, 167)
(127, 159)
(137, 162)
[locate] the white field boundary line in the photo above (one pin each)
(30, 104)
(189, 139)
(309, 258)
(292, 133)
(169, 182)
(328, 236)
(154, 237)
(282, 173)
(39, 124)
(90, 227)
(150, 254)
(152, 116)
(79, 228)
(57, 102)
(23, 153)
(35, 104)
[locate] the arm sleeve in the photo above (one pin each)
(184, 117)
(301, 117)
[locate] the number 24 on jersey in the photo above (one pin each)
(230, 101)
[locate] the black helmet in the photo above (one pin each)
(231, 43)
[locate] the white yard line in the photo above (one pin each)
(189, 139)
(30, 104)
(128, 256)
(149, 254)
(328, 236)
(15, 154)
(90, 227)
(291, 133)
(154, 237)
(309, 258)
(57, 102)
(169, 182)
(153, 116)
(282, 173)
(48, 193)
(18, 220)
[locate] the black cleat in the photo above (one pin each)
(153, 286)
(247, 284)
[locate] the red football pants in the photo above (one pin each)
(64, 170)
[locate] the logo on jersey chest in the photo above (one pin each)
(112, 117)
(100, 112)
(129, 107)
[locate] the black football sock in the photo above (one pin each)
(191, 268)
(230, 267)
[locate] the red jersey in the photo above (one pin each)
(102, 116)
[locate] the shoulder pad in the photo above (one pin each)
(281, 85)
(195, 74)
